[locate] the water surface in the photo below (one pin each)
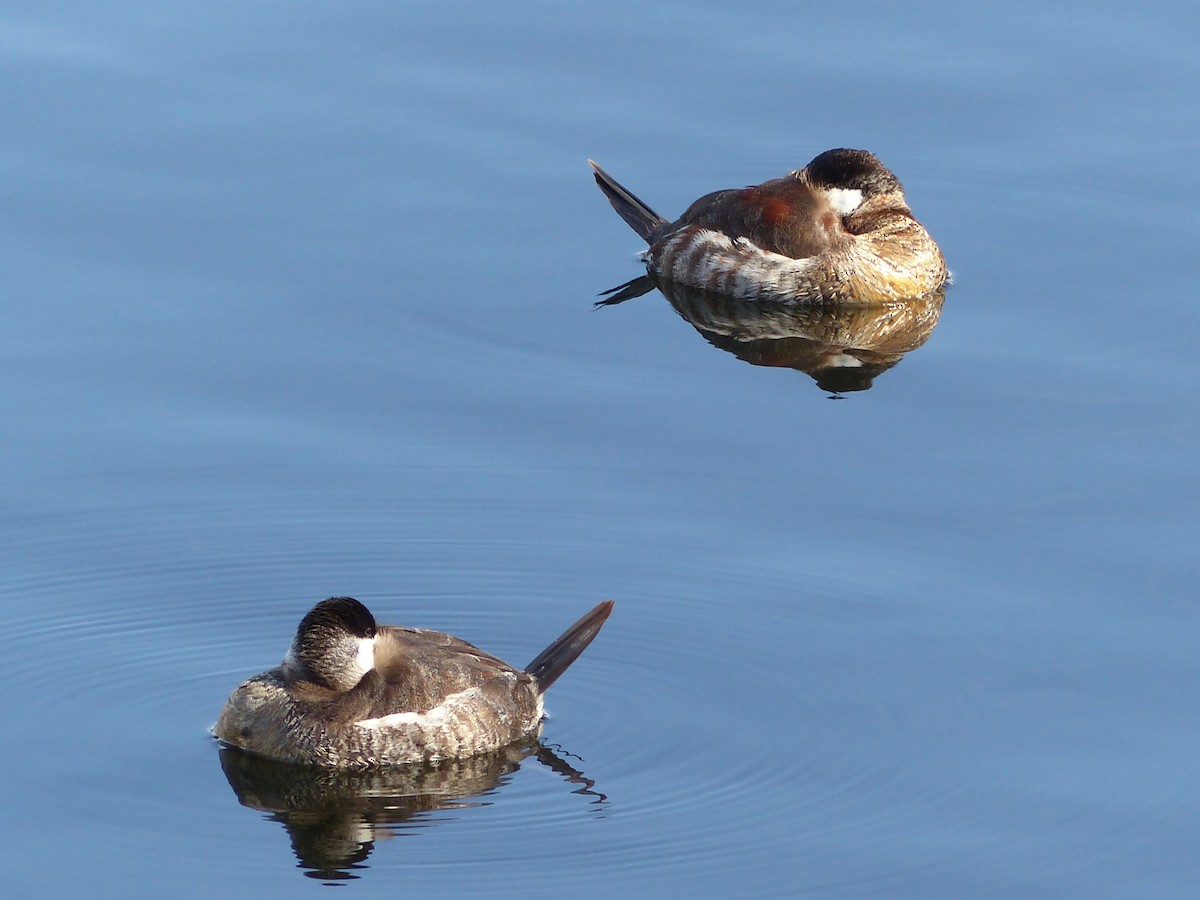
(298, 303)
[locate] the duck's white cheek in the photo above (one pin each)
(366, 655)
(845, 200)
(291, 663)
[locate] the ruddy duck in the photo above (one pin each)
(838, 230)
(351, 694)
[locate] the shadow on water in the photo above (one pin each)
(334, 817)
(842, 347)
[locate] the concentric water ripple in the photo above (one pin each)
(737, 690)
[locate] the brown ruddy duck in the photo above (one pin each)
(351, 694)
(838, 230)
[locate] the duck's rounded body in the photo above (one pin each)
(353, 694)
(837, 230)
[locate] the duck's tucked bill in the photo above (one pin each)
(351, 694)
(838, 230)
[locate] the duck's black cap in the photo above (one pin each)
(854, 169)
(342, 613)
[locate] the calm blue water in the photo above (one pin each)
(298, 302)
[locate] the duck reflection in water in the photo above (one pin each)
(842, 346)
(334, 817)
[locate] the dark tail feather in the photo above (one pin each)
(553, 661)
(637, 214)
(643, 284)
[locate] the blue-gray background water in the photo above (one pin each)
(297, 302)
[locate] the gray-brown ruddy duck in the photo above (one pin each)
(353, 694)
(838, 230)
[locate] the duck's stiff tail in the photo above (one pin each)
(636, 214)
(554, 660)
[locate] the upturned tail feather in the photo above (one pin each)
(640, 217)
(565, 649)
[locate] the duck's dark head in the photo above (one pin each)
(850, 178)
(334, 645)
